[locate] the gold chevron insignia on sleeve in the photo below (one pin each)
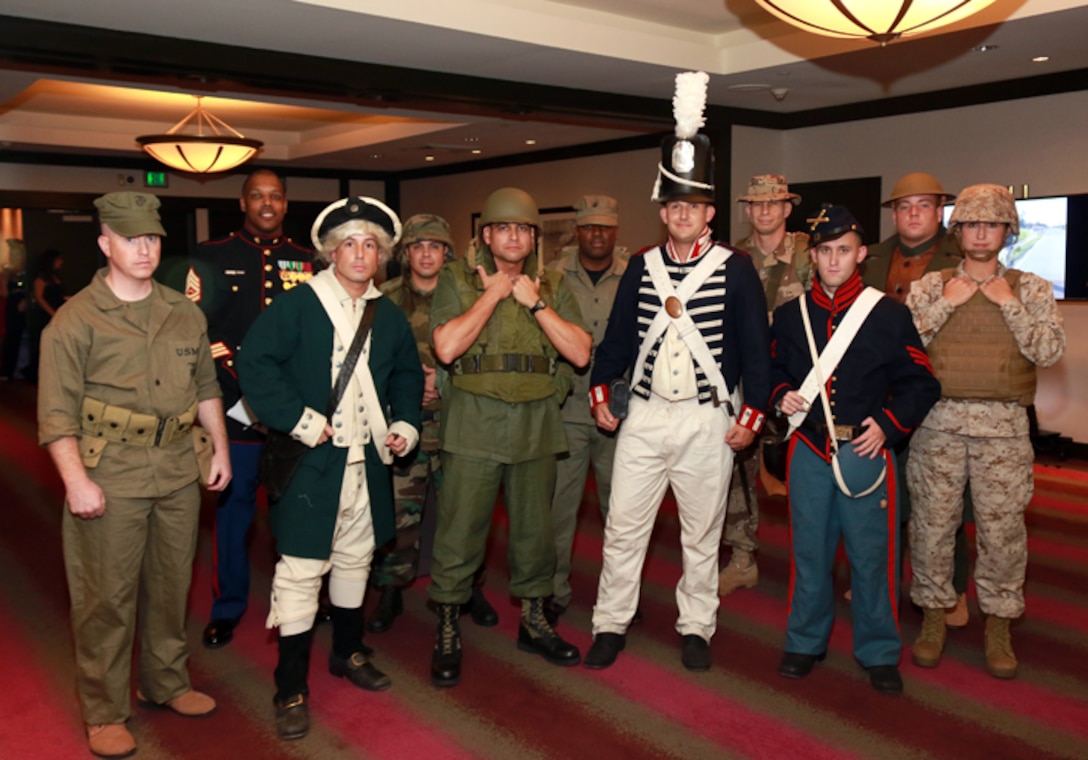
(193, 287)
(220, 350)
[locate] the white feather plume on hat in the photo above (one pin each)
(688, 104)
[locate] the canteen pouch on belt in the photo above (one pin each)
(619, 397)
(202, 445)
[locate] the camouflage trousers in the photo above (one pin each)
(742, 509)
(415, 486)
(1000, 471)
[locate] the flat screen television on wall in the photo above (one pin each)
(1052, 242)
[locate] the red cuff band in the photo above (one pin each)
(752, 419)
(598, 395)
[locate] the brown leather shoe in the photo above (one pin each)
(110, 740)
(191, 704)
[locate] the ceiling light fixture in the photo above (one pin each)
(1040, 59)
(221, 150)
(530, 142)
(878, 20)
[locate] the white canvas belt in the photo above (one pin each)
(684, 324)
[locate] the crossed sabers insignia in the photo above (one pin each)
(815, 221)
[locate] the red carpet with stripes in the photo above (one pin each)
(514, 705)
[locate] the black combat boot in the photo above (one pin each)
(292, 695)
(536, 635)
(349, 658)
(446, 660)
(389, 606)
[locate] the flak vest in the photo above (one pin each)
(975, 355)
(512, 359)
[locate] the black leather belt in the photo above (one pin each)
(526, 363)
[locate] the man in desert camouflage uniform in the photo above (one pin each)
(426, 244)
(986, 328)
(782, 261)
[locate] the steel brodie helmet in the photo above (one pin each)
(509, 204)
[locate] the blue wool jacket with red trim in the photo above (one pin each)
(884, 374)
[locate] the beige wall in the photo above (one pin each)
(628, 177)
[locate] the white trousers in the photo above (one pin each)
(297, 582)
(660, 444)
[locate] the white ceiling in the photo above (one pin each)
(627, 47)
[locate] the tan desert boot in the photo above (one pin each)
(740, 572)
(956, 617)
(1000, 660)
(927, 648)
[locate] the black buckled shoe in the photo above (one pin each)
(218, 633)
(292, 716)
(886, 679)
(389, 607)
(796, 665)
(480, 609)
(604, 650)
(360, 671)
(446, 658)
(695, 653)
(536, 636)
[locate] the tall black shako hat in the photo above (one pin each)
(832, 222)
(686, 170)
(358, 208)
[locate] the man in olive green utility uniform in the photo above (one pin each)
(499, 325)
(592, 271)
(126, 370)
(425, 245)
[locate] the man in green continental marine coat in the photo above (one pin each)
(339, 504)
(499, 323)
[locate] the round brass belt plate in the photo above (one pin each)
(673, 307)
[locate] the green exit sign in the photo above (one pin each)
(155, 179)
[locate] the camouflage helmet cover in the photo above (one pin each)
(985, 203)
(425, 227)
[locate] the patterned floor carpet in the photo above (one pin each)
(514, 705)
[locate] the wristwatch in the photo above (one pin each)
(538, 306)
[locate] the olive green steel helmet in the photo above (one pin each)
(509, 204)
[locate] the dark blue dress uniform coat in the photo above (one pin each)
(233, 280)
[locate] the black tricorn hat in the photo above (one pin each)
(355, 208)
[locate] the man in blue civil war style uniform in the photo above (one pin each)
(842, 476)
